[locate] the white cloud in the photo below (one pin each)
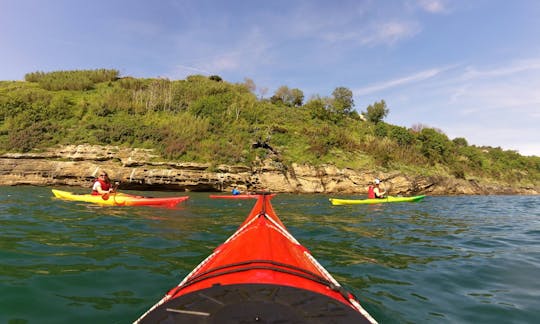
(510, 87)
(224, 63)
(416, 77)
(180, 67)
(207, 66)
(389, 32)
(510, 69)
(433, 6)
(378, 33)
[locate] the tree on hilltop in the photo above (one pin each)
(343, 102)
(376, 112)
(288, 97)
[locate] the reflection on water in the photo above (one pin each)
(445, 259)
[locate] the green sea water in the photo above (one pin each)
(467, 259)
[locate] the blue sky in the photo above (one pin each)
(469, 68)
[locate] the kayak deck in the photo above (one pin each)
(120, 199)
(389, 199)
(261, 273)
(253, 303)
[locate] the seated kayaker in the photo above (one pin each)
(102, 185)
(374, 191)
(235, 191)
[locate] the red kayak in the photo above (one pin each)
(260, 274)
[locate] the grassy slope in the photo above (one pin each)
(201, 120)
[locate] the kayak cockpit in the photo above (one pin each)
(254, 303)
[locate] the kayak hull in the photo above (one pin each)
(261, 273)
(389, 199)
(120, 199)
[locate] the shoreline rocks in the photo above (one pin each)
(142, 169)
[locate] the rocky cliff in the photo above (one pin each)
(143, 169)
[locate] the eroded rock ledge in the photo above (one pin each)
(78, 165)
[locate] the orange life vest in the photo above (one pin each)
(104, 186)
(370, 193)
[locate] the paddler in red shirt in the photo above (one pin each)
(102, 185)
(375, 191)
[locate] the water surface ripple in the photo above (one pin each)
(443, 260)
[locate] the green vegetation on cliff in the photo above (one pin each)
(205, 119)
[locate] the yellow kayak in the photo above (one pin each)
(120, 199)
(388, 199)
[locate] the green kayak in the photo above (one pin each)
(388, 199)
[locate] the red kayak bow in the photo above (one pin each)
(260, 274)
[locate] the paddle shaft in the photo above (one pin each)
(387, 190)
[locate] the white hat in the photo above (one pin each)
(377, 181)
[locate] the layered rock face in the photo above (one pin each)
(78, 165)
